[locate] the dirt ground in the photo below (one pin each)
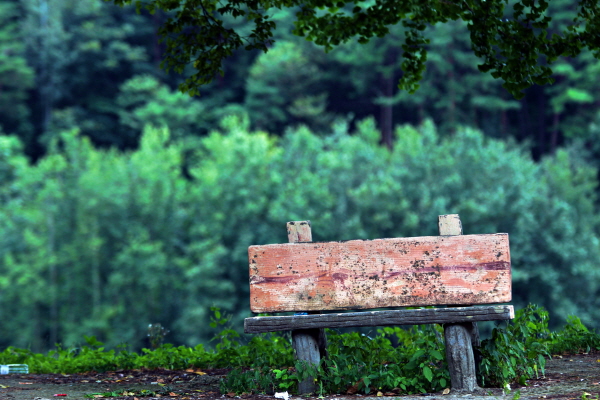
(569, 377)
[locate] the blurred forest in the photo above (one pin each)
(124, 202)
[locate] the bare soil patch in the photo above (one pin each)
(567, 377)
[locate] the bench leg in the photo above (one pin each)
(459, 353)
(306, 345)
(476, 343)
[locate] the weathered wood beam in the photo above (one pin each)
(364, 274)
(380, 318)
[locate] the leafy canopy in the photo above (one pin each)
(514, 39)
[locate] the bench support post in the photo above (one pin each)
(459, 354)
(308, 344)
(460, 338)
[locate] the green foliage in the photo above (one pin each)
(78, 57)
(160, 234)
(192, 29)
(143, 100)
(373, 364)
(395, 360)
(284, 88)
(94, 356)
(356, 362)
(518, 352)
(156, 334)
(575, 337)
(510, 44)
(16, 76)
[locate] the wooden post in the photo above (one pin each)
(459, 337)
(308, 344)
(459, 353)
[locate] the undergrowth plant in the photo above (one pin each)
(518, 352)
(371, 364)
(574, 338)
(392, 359)
(357, 363)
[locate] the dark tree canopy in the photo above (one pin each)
(513, 39)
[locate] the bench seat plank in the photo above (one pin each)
(380, 318)
(363, 274)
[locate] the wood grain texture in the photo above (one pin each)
(306, 346)
(459, 354)
(299, 231)
(380, 318)
(450, 224)
(363, 274)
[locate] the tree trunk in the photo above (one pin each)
(386, 110)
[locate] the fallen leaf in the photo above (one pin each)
(446, 391)
(3, 387)
(173, 394)
(354, 388)
(230, 394)
(379, 394)
(25, 383)
(195, 371)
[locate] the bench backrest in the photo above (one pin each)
(363, 274)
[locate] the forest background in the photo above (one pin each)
(125, 203)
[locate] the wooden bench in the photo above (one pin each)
(451, 270)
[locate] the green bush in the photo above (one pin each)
(519, 351)
(357, 363)
(401, 361)
(574, 338)
(160, 234)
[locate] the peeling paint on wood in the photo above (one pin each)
(361, 274)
